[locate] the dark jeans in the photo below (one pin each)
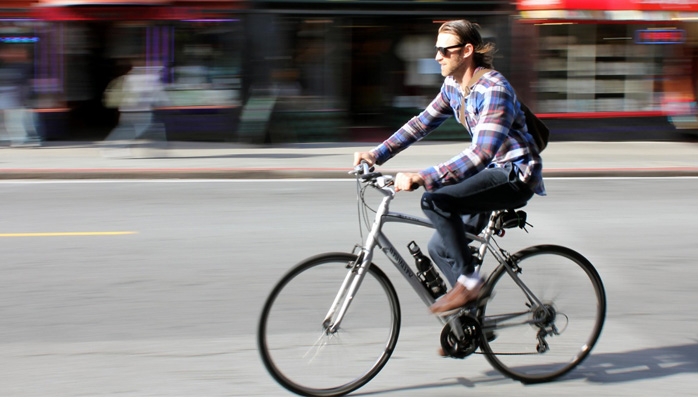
(466, 206)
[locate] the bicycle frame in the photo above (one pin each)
(376, 237)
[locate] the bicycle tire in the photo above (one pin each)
(291, 325)
(575, 304)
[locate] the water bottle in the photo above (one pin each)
(427, 273)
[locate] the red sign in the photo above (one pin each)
(660, 36)
(97, 2)
(138, 10)
(609, 5)
(114, 13)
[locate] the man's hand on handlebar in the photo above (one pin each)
(404, 181)
(364, 156)
(408, 181)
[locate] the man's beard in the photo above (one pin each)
(452, 68)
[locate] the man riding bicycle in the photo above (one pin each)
(501, 168)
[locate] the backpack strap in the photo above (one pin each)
(476, 77)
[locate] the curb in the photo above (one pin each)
(294, 173)
(174, 173)
(621, 172)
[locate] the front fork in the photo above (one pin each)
(357, 271)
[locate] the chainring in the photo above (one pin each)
(471, 338)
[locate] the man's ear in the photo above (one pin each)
(468, 50)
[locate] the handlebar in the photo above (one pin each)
(365, 171)
(368, 174)
(362, 168)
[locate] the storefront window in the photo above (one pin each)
(205, 64)
(603, 68)
(17, 54)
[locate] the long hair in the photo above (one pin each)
(467, 32)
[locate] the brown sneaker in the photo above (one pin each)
(456, 298)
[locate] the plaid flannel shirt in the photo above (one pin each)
(497, 127)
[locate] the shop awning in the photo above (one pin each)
(646, 10)
(16, 9)
(98, 2)
(129, 10)
(433, 8)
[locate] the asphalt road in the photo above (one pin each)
(154, 288)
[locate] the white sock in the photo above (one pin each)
(470, 282)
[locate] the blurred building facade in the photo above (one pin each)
(356, 69)
(618, 57)
(79, 47)
(322, 70)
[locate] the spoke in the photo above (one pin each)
(315, 348)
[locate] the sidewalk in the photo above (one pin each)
(188, 160)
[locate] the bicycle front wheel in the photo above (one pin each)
(541, 335)
(297, 348)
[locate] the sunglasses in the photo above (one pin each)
(445, 50)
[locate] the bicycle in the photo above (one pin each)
(332, 321)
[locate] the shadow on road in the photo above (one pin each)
(636, 365)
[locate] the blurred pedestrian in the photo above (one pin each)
(500, 169)
(135, 94)
(678, 99)
(16, 118)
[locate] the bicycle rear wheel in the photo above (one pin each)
(538, 343)
(297, 349)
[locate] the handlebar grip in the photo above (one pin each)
(414, 186)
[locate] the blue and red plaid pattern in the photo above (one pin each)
(498, 131)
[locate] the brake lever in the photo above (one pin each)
(362, 169)
(370, 176)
